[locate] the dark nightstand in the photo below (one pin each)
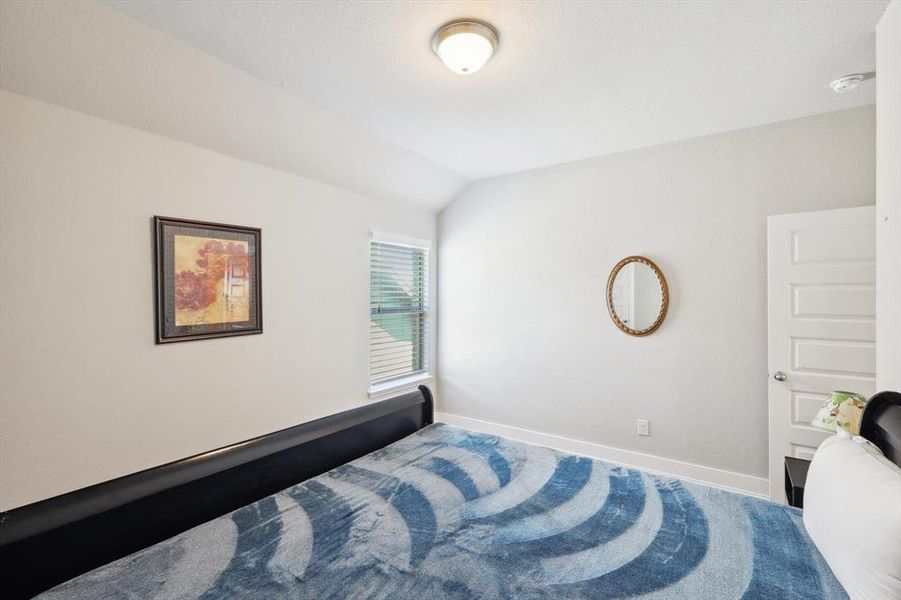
(795, 477)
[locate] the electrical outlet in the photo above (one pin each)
(644, 427)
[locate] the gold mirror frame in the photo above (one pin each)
(664, 303)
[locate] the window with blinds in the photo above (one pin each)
(398, 311)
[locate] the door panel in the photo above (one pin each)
(821, 275)
(852, 301)
(805, 452)
(834, 356)
(805, 406)
(833, 245)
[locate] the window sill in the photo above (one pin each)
(387, 389)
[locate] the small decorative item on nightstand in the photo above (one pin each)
(843, 409)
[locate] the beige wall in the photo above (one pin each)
(888, 200)
(85, 394)
(524, 335)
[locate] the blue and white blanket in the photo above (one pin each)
(448, 513)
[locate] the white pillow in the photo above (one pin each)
(852, 511)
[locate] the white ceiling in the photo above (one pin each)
(570, 80)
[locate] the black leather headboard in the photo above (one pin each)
(51, 541)
(881, 424)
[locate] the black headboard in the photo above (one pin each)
(51, 541)
(881, 424)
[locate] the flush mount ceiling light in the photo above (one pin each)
(465, 45)
(847, 83)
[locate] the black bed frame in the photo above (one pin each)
(51, 541)
(881, 424)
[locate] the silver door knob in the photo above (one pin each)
(780, 376)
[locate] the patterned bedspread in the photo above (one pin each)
(448, 513)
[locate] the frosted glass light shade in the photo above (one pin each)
(465, 46)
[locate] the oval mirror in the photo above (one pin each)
(637, 295)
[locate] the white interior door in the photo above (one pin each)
(821, 287)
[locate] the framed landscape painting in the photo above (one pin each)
(207, 280)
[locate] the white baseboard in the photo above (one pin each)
(718, 478)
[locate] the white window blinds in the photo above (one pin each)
(398, 311)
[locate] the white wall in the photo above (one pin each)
(888, 199)
(92, 58)
(524, 335)
(85, 394)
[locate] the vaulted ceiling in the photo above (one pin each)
(570, 79)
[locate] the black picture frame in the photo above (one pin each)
(241, 269)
